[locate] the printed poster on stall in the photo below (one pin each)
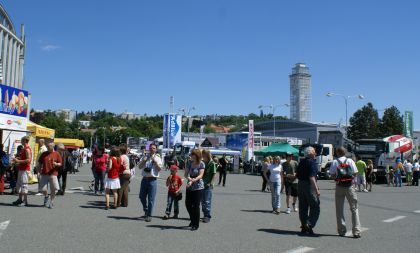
(13, 101)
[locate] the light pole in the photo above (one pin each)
(273, 109)
(346, 98)
(186, 112)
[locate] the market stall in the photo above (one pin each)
(39, 132)
(14, 104)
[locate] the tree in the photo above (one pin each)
(392, 122)
(364, 123)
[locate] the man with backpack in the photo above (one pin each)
(343, 170)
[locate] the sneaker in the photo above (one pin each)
(51, 206)
(194, 228)
(23, 204)
(17, 202)
(148, 219)
(295, 209)
(357, 236)
(288, 210)
(310, 231)
(46, 201)
(206, 220)
(365, 190)
(166, 217)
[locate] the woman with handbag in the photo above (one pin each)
(173, 182)
(194, 173)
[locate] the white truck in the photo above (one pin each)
(384, 152)
(324, 157)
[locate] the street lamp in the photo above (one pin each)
(186, 112)
(346, 98)
(273, 109)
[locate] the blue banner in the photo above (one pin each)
(171, 130)
(13, 101)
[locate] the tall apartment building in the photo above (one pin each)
(300, 93)
(12, 52)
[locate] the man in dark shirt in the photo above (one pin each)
(308, 191)
(223, 169)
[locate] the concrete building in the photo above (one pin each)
(69, 115)
(130, 116)
(300, 93)
(305, 131)
(12, 52)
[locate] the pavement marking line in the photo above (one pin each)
(396, 218)
(3, 226)
(350, 233)
(418, 211)
(300, 249)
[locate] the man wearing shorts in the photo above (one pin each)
(290, 181)
(23, 163)
(50, 162)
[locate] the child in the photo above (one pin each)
(173, 183)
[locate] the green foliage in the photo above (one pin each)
(364, 123)
(392, 122)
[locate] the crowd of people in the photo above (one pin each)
(113, 172)
(299, 181)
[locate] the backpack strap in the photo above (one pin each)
(341, 163)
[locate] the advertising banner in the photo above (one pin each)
(251, 140)
(408, 124)
(171, 130)
(13, 101)
(13, 122)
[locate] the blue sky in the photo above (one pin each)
(221, 56)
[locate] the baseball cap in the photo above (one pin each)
(289, 154)
(173, 167)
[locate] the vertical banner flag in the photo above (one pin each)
(171, 129)
(251, 139)
(408, 124)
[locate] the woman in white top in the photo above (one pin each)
(275, 170)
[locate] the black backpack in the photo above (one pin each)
(344, 173)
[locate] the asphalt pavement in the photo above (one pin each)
(242, 222)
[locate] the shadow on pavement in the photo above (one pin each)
(257, 211)
(125, 218)
(164, 227)
(95, 205)
(288, 232)
(6, 204)
(29, 205)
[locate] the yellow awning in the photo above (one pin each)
(70, 142)
(40, 131)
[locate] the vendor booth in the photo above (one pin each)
(278, 149)
(39, 132)
(14, 104)
(70, 143)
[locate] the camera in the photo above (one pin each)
(149, 166)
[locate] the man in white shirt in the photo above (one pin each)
(344, 170)
(408, 168)
(151, 166)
